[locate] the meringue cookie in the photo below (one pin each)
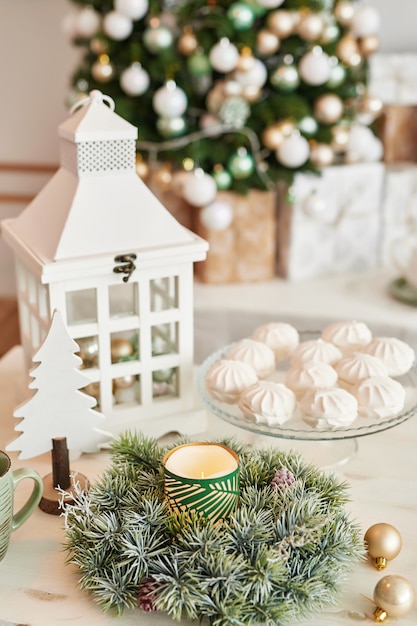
(357, 366)
(347, 336)
(282, 338)
(312, 374)
(267, 402)
(397, 356)
(254, 353)
(316, 350)
(379, 397)
(226, 379)
(327, 409)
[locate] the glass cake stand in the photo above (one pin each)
(325, 448)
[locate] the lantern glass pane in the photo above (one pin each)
(124, 346)
(123, 300)
(126, 390)
(164, 383)
(43, 302)
(165, 338)
(164, 293)
(32, 290)
(81, 306)
(89, 351)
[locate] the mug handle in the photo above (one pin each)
(27, 509)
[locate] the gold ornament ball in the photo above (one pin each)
(344, 12)
(187, 43)
(246, 60)
(321, 155)
(98, 46)
(267, 43)
(92, 389)
(274, 134)
(310, 27)
(383, 543)
(372, 106)
(162, 177)
(394, 596)
(102, 70)
(124, 382)
(88, 351)
(142, 168)
(281, 23)
(120, 348)
(368, 45)
(328, 108)
(340, 138)
(251, 93)
(347, 49)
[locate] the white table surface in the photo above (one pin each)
(37, 588)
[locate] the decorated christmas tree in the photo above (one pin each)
(245, 93)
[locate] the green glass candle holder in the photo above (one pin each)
(202, 477)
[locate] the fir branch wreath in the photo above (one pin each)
(284, 553)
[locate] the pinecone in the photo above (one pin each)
(283, 478)
(145, 599)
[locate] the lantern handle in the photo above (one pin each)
(94, 96)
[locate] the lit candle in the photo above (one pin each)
(202, 477)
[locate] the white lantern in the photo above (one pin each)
(96, 245)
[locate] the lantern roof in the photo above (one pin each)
(101, 209)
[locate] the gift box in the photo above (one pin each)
(393, 77)
(245, 250)
(330, 223)
(399, 214)
(397, 129)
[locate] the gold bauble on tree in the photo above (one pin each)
(328, 108)
(246, 60)
(281, 23)
(102, 70)
(142, 167)
(187, 43)
(267, 42)
(368, 45)
(383, 543)
(344, 12)
(310, 26)
(273, 135)
(348, 51)
(340, 133)
(321, 154)
(162, 176)
(394, 597)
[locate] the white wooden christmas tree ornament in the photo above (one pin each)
(58, 408)
(98, 246)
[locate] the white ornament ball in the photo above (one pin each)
(216, 216)
(362, 145)
(314, 67)
(87, 22)
(256, 76)
(134, 80)
(293, 151)
(117, 26)
(224, 56)
(270, 4)
(169, 100)
(135, 9)
(366, 21)
(199, 188)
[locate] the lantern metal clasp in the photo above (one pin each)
(128, 266)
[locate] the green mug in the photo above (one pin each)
(9, 479)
